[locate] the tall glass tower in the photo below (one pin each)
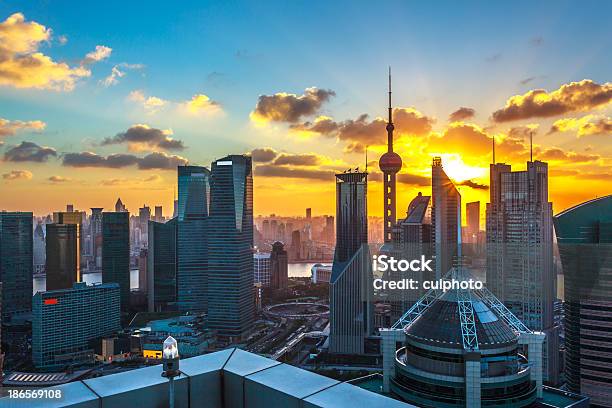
(350, 310)
(16, 256)
(62, 259)
(116, 252)
(192, 243)
(161, 266)
(230, 276)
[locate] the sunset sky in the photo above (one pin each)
(100, 102)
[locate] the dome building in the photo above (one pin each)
(462, 348)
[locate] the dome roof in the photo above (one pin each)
(390, 162)
(440, 323)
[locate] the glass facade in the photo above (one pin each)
(62, 266)
(116, 252)
(64, 321)
(192, 242)
(161, 266)
(230, 279)
(16, 244)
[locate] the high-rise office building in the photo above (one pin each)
(75, 218)
(279, 266)
(39, 249)
(116, 252)
(65, 320)
(308, 214)
(16, 269)
(472, 215)
(192, 244)
(62, 256)
(584, 236)
(144, 216)
(161, 266)
(69, 208)
(519, 233)
(261, 269)
(411, 239)
(230, 282)
(350, 312)
(95, 232)
(445, 219)
(159, 217)
(390, 163)
(119, 207)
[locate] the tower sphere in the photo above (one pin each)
(390, 162)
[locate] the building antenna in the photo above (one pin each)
(531, 146)
(493, 139)
(366, 154)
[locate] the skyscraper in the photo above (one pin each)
(16, 263)
(472, 214)
(279, 267)
(230, 282)
(75, 218)
(350, 311)
(65, 320)
(39, 249)
(192, 244)
(119, 207)
(445, 219)
(95, 227)
(161, 266)
(308, 213)
(519, 251)
(584, 236)
(390, 163)
(62, 256)
(116, 252)
(158, 214)
(261, 269)
(144, 216)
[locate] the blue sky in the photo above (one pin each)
(444, 55)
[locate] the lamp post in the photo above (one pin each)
(170, 359)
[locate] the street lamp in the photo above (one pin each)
(170, 359)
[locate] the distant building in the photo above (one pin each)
(39, 248)
(445, 219)
(192, 239)
(279, 267)
(321, 273)
(116, 252)
(350, 312)
(192, 337)
(158, 214)
(16, 270)
(296, 245)
(119, 207)
(142, 270)
(261, 268)
(230, 275)
(161, 266)
(472, 212)
(584, 236)
(62, 256)
(65, 320)
(144, 216)
(520, 253)
(75, 218)
(95, 228)
(308, 214)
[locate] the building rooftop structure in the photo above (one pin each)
(227, 378)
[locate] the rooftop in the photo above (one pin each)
(227, 378)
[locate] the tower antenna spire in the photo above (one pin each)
(390, 109)
(493, 139)
(366, 154)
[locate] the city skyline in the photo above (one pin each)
(144, 104)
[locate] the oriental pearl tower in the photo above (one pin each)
(390, 163)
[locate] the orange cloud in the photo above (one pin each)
(23, 66)
(11, 127)
(585, 126)
(17, 175)
(573, 97)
